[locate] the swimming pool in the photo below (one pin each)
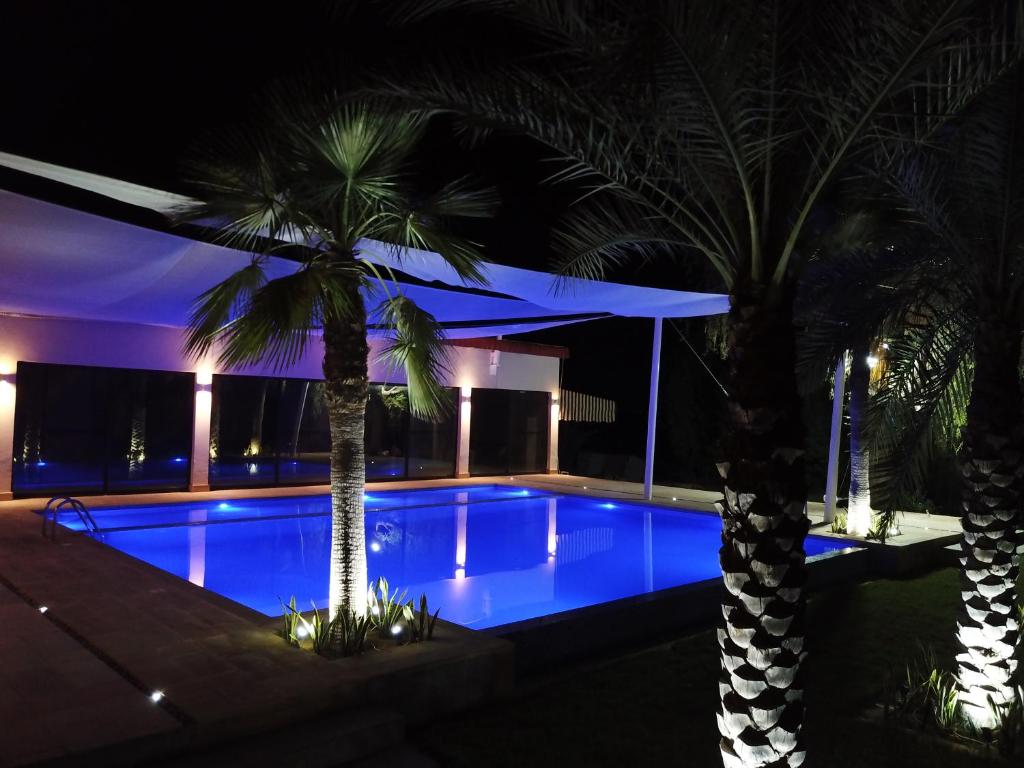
(485, 555)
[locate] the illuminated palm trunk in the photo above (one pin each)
(858, 512)
(346, 388)
(763, 529)
(991, 469)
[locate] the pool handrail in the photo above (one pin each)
(62, 502)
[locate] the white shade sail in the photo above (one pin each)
(65, 261)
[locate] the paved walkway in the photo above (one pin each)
(915, 527)
(79, 676)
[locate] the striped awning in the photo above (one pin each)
(577, 406)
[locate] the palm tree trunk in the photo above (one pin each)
(991, 470)
(763, 528)
(858, 513)
(346, 389)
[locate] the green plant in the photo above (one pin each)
(883, 526)
(291, 620)
(387, 609)
(349, 632)
(421, 624)
(926, 696)
(942, 694)
(839, 522)
(316, 629)
(1008, 733)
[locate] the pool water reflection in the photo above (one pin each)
(486, 556)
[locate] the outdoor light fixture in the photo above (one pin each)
(156, 696)
(43, 609)
(9, 378)
(872, 361)
(396, 629)
(301, 632)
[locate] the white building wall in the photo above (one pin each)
(125, 345)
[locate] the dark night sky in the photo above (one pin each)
(115, 89)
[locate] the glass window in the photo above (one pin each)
(305, 435)
(387, 417)
(508, 432)
(243, 439)
(268, 431)
(82, 429)
(432, 444)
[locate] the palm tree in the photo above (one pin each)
(949, 292)
(312, 179)
(715, 129)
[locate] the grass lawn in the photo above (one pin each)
(656, 707)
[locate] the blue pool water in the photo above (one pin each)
(484, 555)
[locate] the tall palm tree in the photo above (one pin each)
(949, 292)
(311, 179)
(715, 129)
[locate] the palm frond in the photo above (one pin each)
(417, 345)
(921, 400)
(309, 176)
(279, 321)
(219, 305)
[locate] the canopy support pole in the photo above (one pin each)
(832, 478)
(652, 412)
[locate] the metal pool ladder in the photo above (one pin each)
(53, 508)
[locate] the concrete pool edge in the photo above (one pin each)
(546, 641)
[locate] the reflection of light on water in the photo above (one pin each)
(178, 460)
(253, 468)
(460, 574)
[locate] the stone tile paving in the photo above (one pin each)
(214, 660)
(51, 689)
(117, 628)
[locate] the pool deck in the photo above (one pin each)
(116, 629)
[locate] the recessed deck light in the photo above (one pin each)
(156, 696)
(43, 609)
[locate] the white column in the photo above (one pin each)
(652, 411)
(832, 478)
(465, 416)
(199, 479)
(7, 397)
(553, 436)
